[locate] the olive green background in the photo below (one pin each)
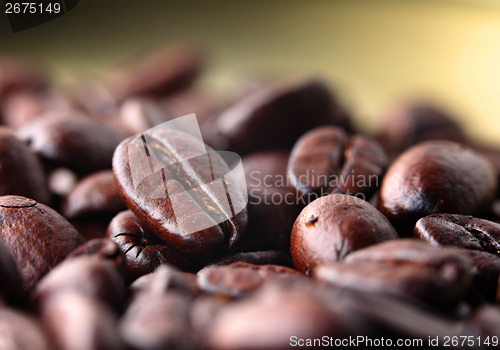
(374, 52)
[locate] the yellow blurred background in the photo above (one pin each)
(373, 52)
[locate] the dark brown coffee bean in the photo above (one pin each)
(17, 74)
(10, 283)
(160, 72)
(76, 322)
(164, 279)
(251, 124)
(275, 319)
(144, 252)
(155, 322)
(73, 141)
(333, 226)
(480, 238)
(241, 279)
(204, 311)
(91, 228)
(86, 275)
(436, 177)
(403, 268)
(184, 195)
(37, 237)
(325, 160)
(21, 332)
(100, 248)
(460, 230)
(409, 124)
(20, 170)
(268, 257)
(96, 194)
(273, 204)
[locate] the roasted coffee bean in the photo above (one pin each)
(300, 314)
(325, 160)
(37, 237)
(92, 228)
(403, 268)
(89, 276)
(72, 140)
(10, 282)
(20, 170)
(486, 272)
(267, 257)
(101, 248)
(96, 194)
(460, 230)
(160, 72)
(241, 279)
(481, 239)
(155, 322)
(204, 311)
(333, 226)
(76, 322)
(144, 252)
(17, 74)
(20, 331)
(182, 191)
(436, 177)
(251, 124)
(409, 124)
(273, 204)
(164, 279)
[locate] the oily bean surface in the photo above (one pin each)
(172, 200)
(326, 160)
(436, 177)
(332, 227)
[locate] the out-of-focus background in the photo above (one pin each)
(373, 52)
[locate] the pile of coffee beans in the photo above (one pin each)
(338, 239)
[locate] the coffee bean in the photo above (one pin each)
(163, 280)
(158, 322)
(21, 332)
(86, 275)
(91, 228)
(10, 282)
(460, 230)
(76, 322)
(100, 248)
(403, 268)
(436, 177)
(37, 237)
(20, 170)
(190, 201)
(61, 181)
(251, 124)
(333, 226)
(95, 194)
(159, 72)
(480, 238)
(252, 323)
(484, 323)
(241, 279)
(273, 204)
(72, 140)
(144, 252)
(325, 160)
(411, 123)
